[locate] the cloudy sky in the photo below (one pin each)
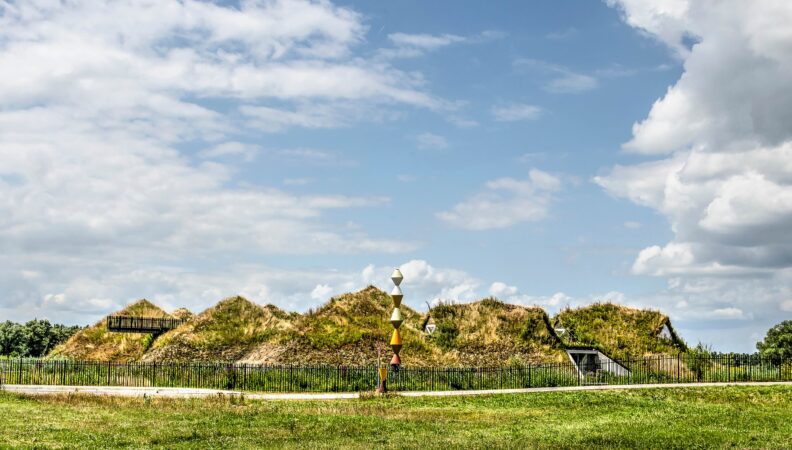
(549, 153)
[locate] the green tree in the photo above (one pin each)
(39, 337)
(777, 345)
(13, 339)
(34, 338)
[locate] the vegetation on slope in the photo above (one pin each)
(95, 343)
(348, 330)
(491, 332)
(225, 332)
(182, 314)
(619, 331)
(718, 417)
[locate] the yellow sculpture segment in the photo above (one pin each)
(396, 338)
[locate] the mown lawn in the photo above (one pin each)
(741, 417)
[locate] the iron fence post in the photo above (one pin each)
(530, 369)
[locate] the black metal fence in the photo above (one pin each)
(683, 368)
(129, 324)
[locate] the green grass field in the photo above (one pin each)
(742, 417)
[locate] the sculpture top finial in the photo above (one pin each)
(397, 277)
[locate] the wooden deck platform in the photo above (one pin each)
(130, 324)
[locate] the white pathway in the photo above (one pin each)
(195, 393)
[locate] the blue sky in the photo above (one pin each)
(548, 153)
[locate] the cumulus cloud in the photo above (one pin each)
(500, 289)
(723, 130)
(98, 101)
(719, 144)
(505, 202)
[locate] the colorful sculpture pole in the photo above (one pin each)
(383, 375)
(396, 320)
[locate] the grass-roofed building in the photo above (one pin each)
(619, 331)
(490, 332)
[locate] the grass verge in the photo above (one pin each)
(741, 416)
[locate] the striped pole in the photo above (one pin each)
(396, 320)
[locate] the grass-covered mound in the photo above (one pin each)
(348, 330)
(619, 331)
(225, 332)
(490, 332)
(95, 343)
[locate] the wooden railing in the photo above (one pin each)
(131, 324)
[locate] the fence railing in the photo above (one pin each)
(277, 378)
(129, 324)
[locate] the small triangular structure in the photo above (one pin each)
(430, 326)
(665, 332)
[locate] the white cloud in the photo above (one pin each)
(424, 41)
(728, 313)
(297, 181)
(563, 80)
(321, 292)
(506, 202)
(98, 102)
(571, 82)
(723, 132)
(515, 112)
(247, 152)
(500, 289)
(406, 45)
(431, 141)
(311, 156)
(720, 140)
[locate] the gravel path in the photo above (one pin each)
(193, 393)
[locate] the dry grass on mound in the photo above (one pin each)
(95, 343)
(226, 332)
(620, 331)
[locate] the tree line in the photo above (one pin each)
(32, 339)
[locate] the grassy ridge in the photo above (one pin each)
(478, 333)
(350, 329)
(619, 331)
(226, 332)
(743, 417)
(97, 344)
